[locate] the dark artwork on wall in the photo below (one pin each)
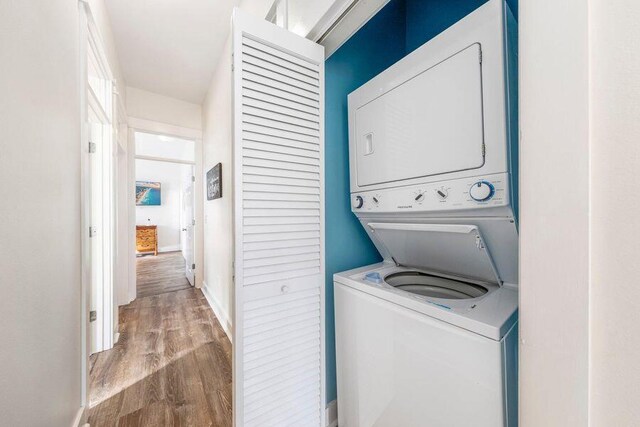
(214, 182)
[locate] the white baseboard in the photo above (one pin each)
(332, 414)
(116, 337)
(221, 314)
(79, 420)
(171, 248)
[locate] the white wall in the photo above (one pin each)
(554, 206)
(167, 215)
(158, 108)
(258, 8)
(615, 224)
(40, 255)
(218, 228)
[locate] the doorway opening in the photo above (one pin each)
(164, 198)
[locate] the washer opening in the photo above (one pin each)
(433, 286)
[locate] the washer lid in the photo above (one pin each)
(447, 249)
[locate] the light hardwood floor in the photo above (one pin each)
(171, 366)
(159, 274)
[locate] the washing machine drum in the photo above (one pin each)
(427, 285)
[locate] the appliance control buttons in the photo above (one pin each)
(358, 202)
(419, 197)
(376, 199)
(482, 191)
(442, 193)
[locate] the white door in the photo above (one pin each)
(187, 231)
(278, 341)
(101, 231)
(96, 290)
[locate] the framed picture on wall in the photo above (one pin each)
(214, 182)
(148, 193)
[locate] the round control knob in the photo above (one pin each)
(358, 202)
(482, 191)
(419, 197)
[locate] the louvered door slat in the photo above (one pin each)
(287, 333)
(259, 246)
(279, 56)
(279, 227)
(272, 73)
(257, 58)
(278, 106)
(280, 133)
(253, 95)
(275, 153)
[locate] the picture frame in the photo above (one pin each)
(148, 193)
(214, 182)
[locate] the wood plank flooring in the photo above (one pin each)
(159, 274)
(171, 366)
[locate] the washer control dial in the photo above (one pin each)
(482, 191)
(442, 193)
(358, 201)
(419, 197)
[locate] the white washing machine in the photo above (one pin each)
(428, 337)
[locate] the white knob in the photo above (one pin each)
(284, 289)
(481, 191)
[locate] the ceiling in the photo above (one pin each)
(170, 47)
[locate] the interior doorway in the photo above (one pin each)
(164, 213)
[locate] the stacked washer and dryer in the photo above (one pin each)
(428, 337)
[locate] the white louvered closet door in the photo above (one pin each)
(278, 95)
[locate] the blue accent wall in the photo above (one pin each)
(428, 18)
(374, 48)
(396, 30)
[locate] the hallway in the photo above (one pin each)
(171, 366)
(159, 274)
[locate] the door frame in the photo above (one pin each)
(158, 128)
(184, 232)
(89, 38)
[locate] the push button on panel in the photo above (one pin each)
(482, 191)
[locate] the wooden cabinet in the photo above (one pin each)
(147, 239)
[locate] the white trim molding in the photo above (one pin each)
(79, 419)
(340, 23)
(332, 414)
(150, 126)
(221, 314)
(169, 248)
(164, 159)
(330, 19)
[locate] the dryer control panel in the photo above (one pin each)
(466, 193)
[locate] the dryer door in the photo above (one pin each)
(451, 250)
(429, 125)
